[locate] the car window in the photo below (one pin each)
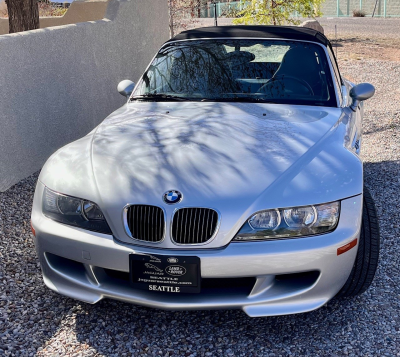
(194, 71)
(264, 52)
(277, 71)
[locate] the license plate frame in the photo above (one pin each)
(165, 273)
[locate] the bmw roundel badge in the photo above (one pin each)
(172, 197)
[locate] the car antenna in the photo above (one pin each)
(376, 3)
(215, 14)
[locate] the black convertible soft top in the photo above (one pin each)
(278, 32)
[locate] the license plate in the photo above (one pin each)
(164, 273)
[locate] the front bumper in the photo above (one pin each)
(76, 263)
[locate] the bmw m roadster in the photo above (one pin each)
(231, 178)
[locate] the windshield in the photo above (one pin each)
(275, 71)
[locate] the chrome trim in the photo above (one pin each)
(126, 226)
(195, 244)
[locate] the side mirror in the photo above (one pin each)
(360, 92)
(125, 87)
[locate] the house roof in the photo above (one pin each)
(275, 32)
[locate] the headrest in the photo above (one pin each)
(236, 58)
(299, 60)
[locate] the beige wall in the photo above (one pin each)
(79, 11)
(58, 83)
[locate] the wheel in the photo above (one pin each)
(366, 262)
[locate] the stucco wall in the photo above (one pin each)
(58, 83)
(79, 11)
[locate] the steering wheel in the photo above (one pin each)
(284, 78)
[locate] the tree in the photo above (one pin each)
(23, 15)
(183, 13)
(276, 12)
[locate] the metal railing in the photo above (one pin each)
(219, 8)
(376, 8)
(337, 8)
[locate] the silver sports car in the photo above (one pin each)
(231, 178)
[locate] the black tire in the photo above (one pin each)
(366, 262)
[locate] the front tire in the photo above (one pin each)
(366, 262)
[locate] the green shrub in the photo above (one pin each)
(358, 13)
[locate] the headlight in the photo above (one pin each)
(74, 212)
(265, 220)
(290, 222)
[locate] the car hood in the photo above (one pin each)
(237, 158)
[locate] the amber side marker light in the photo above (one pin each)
(347, 247)
(33, 230)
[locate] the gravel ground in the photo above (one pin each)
(366, 26)
(36, 321)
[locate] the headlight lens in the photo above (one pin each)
(74, 212)
(290, 222)
(300, 216)
(265, 220)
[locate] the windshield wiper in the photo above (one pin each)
(158, 96)
(170, 97)
(238, 100)
(252, 100)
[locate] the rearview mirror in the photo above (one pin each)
(125, 87)
(360, 92)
